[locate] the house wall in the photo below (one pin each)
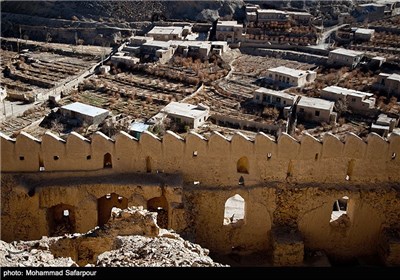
(309, 114)
(339, 59)
(283, 102)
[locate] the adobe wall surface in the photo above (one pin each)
(217, 159)
(26, 199)
(198, 212)
(287, 184)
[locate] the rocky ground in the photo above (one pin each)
(126, 10)
(130, 238)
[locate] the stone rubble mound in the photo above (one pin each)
(130, 238)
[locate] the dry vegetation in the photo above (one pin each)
(34, 73)
(13, 126)
(281, 33)
(187, 70)
(256, 66)
(139, 96)
(391, 22)
(356, 79)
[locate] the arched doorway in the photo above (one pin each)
(234, 210)
(107, 162)
(106, 203)
(339, 208)
(159, 205)
(61, 219)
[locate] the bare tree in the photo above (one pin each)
(341, 106)
(57, 126)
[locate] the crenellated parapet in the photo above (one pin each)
(216, 161)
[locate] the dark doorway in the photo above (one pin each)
(106, 203)
(107, 161)
(159, 205)
(61, 219)
(148, 164)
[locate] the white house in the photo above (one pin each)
(291, 77)
(364, 34)
(229, 31)
(184, 113)
(358, 101)
(84, 113)
(344, 57)
(166, 33)
(315, 109)
(275, 98)
(390, 82)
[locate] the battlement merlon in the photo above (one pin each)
(216, 161)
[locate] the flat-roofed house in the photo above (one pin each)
(364, 34)
(358, 101)
(275, 98)
(84, 113)
(390, 82)
(315, 110)
(344, 57)
(370, 11)
(229, 31)
(265, 15)
(157, 51)
(290, 77)
(121, 57)
(384, 125)
(166, 33)
(195, 49)
(184, 113)
(300, 17)
(139, 40)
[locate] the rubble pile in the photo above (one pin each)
(130, 238)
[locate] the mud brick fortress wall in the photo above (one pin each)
(289, 188)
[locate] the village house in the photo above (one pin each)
(121, 57)
(157, 51)
(390, 82)
(251, 12)
(183, 114)
(195, 49)
(219, 47)
(266, 15)
(290, 77)
(139, 40)
(364, 34)
(254, 13)
(357, 101)
(84, 113)
(166, 33)
(274, 98)
(370, 11)
(343, 57)
(315, 110)
(384, 125)
(300, 17)
(229, 31)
